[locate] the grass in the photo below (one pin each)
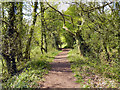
(90, 72)
(33, 70)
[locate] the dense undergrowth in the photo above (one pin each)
(32, 72)
(92, 73)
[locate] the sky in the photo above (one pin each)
(29, 10)
(61, 6)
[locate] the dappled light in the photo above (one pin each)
(60, 74)
(61, 44)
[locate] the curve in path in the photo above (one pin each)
(60, 75)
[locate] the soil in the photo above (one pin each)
(60, 75)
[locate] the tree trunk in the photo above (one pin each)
(8, 63)
(45, 40)
(27, 53)
(11, 35)
(2, 33)
(20, 28)
(82, 46)
(119, 46)
(42, 43)
(8, 46)
(43, 33)
(106, 51)
(14, 68)
(80, 42)
(55, 41)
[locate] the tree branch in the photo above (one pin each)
(9, 25)
(95, 7)
(57, 11)
(94, 29)
(63, 19)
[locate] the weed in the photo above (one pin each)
(96, 72)
(33, 71)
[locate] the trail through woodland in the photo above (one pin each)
(60, 75)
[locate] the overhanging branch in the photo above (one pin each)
(95, 7)
(63, 19)
(57, 11)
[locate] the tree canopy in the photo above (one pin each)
(92, 27)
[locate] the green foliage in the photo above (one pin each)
(68, 40)
(87, 69)
(96, 29)
(99, 32)
(33, 71)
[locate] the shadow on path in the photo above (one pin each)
(60, 75)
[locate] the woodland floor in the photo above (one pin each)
(60, 75)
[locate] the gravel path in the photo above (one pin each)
(60, 75)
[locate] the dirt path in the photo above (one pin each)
(60, 75)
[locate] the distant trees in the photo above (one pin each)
(94, 27)
(99, 30)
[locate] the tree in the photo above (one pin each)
(19, 19)
(9, 49)
(43, 32)
(27, 52)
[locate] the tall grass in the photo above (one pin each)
(86, 70)
(33, 70)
